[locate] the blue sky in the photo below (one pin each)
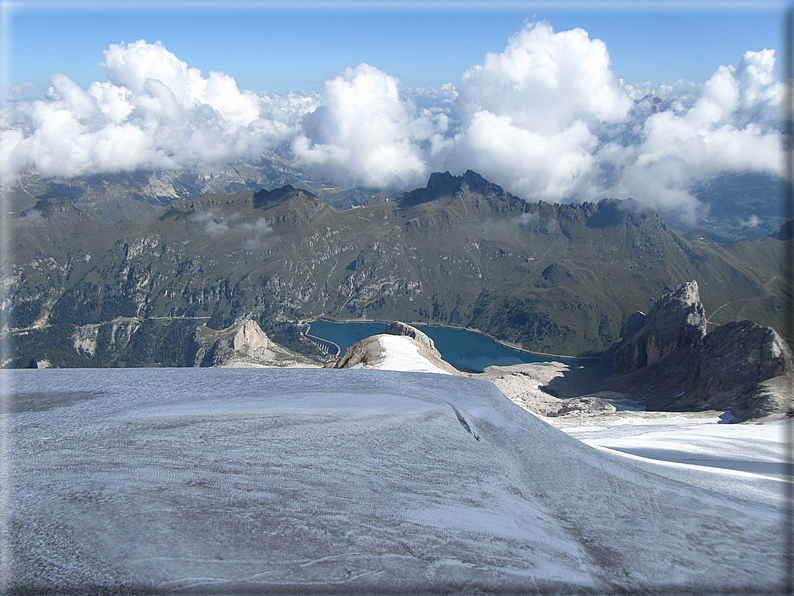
(280, 47)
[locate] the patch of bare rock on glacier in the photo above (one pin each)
(289, 481)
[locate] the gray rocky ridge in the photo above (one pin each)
(244, 344)
(668, 361)
(670, 357)
(676, 323)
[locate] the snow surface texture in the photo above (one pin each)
(346, 481)
(743, 460)
(698, 448)
(399, 353)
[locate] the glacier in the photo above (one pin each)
(215, 481)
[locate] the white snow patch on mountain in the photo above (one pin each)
(402, 354)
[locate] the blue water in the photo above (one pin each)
(465, 350)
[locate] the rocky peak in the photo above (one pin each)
(244, 344)
(444, 183)
(676, 322)
(473, 190)
(268, 198)
(244, 340)
(476, 182)
(438, 186)
(668, 357)
(249, 337)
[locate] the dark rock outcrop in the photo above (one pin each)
(737, 367)
(675, 325)
(668, 357)
(668, 362)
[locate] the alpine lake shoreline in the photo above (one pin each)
(428, 327)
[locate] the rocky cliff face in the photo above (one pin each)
(243, 341)
(242, 345)
(669, 358)
(675, 324)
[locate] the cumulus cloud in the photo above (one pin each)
(531, 115)
(546, 80)
(546, 119)
(153, 112)
(733, 126)
(365, 133)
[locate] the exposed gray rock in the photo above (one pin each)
(244, 339)
(241, 345)
(668, 358)
(584, 405)
(400, 328)
(363, 353)
(676, 323)
(738, 364)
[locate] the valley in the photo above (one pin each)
(462, 252)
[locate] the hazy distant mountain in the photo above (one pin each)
(738, 205)
(140, 195)
(742, 206)
(462, 251)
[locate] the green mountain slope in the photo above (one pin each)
(462, 251)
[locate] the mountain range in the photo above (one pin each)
(461, 251)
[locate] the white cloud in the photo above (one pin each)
(546, 119)
(365, 133)
(731, 127)
(216, 224)
(22, 89)
(760, 95)
(528, 163)
(154, 112)
(215, 228)
(257, 228)
(532, 113)
(751, 222)
(545, 81)
(254, 232)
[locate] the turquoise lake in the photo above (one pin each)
(465, 350)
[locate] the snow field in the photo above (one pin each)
(739, 460)
(279, 480)
(402, 355)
